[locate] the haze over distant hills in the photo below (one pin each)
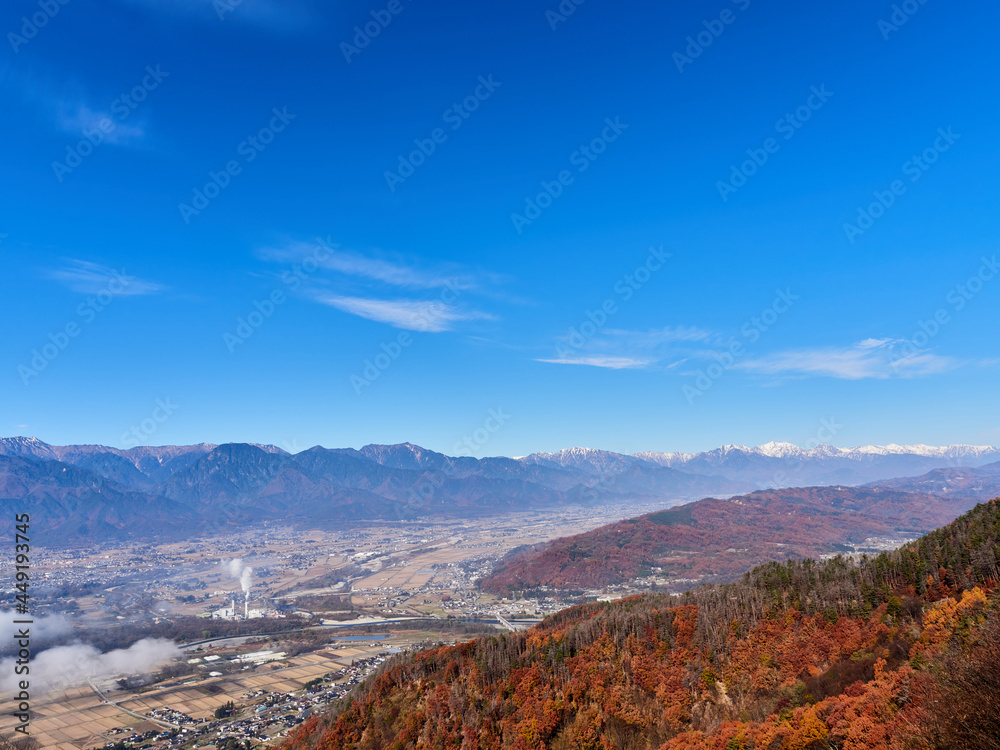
(81, 492)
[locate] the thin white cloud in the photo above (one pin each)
(868, 359)
(392, 271)
(67, 105)
(619, 349)
(877, 343)
(609, 362)
(370, 285)
(80, 119)
(923, 363)
(91, 278)
(657, 337)
(413, 315)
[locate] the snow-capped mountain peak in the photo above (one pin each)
(930, 451)
(785, 464)
(26, 446)
(590, 460)
(778, 450)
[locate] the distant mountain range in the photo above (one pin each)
(82, 492)
(784, 464)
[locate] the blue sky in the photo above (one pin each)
(632, 227)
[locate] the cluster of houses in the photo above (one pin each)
(269, 716)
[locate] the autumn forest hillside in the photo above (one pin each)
(715, 540)
(901, 650)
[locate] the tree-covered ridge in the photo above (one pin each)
(896, 651)
(717, 540)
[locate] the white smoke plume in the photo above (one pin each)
(64, 667)
(45, 629)
(243, 573)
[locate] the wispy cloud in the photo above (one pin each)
(868, 359)
(78, 119)
(66, 105)
(394, 271)
(658, 337)
(672, 347)
(619, 349)
(412, 315)
(386, 287)
(85, 277)
(877, 343)
(609, 362)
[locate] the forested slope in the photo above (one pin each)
(714, 540)
(899, 651)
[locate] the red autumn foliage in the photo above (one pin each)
(802, 655)
(717, 540)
